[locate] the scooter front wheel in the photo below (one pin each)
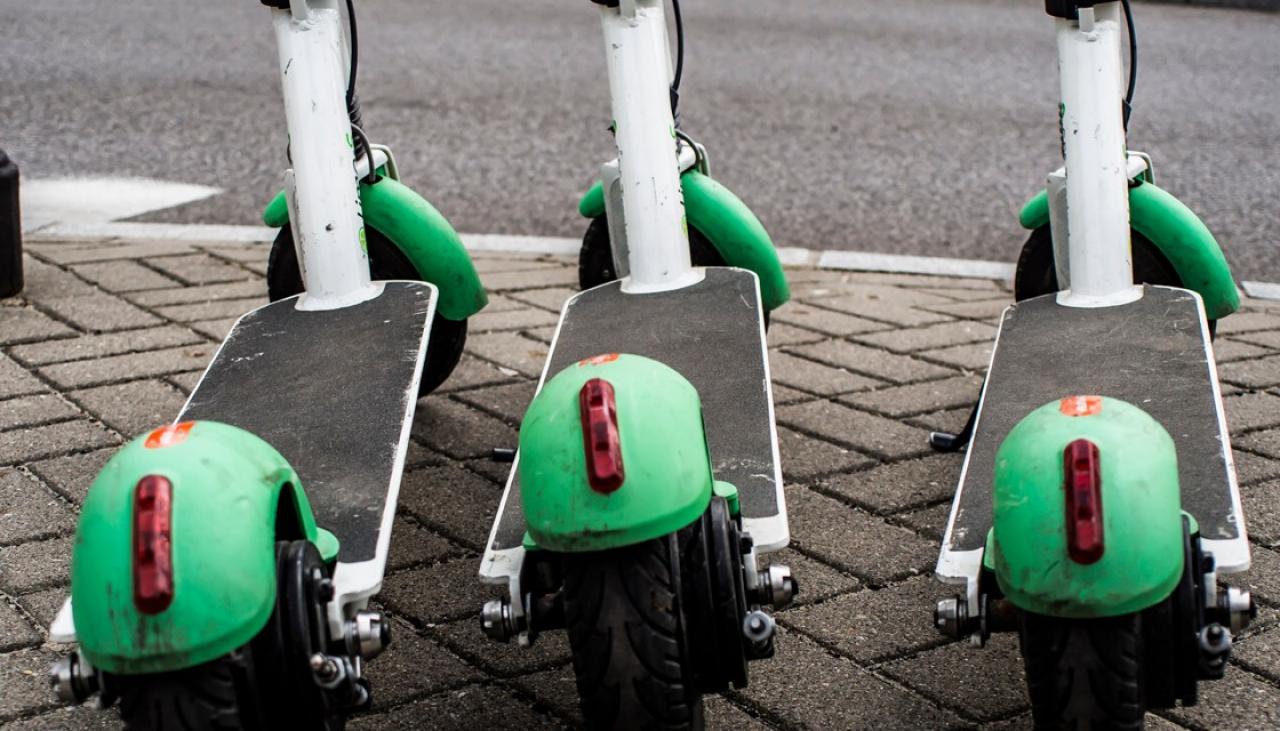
(448, 337)
(595, 260)
(1084, 674)
(628, 636)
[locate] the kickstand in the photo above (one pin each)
(946, 442)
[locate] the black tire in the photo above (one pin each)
(202, 698)
(1084, 675)
(624, 613)
(448, 337)
(1037, 272)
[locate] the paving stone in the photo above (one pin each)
(79, 718)
(99, 312)
(452, 501)
(252, 253)
(827, 322)
(24, 683)
(24, 324)
(1258, 373)
(964, 295)
(1252, 411)
(493, 320)
(918, 398)
(438, 593)
(123, 276)
(872, 362)
(15, 631)
(1265, 443)
(36, 565)
(504, 659)
(493, 470)
(508, 402)
(975, 357)
(930, 522)
(15, 381)
(459, 431)
(889, 312)
(1259, 653)
(817, 580)
(1269, 339)
(465, 709)
(897, 486)
(98, 346)
(40, 408)
(1251, 469)
(196, 295)
(1264, 575)
(875, 625)
(550, 298)
(70, 476)
(38, 442)
(46, 280)
(413, 545)
(780, 335)
(185, 382)
(511, 263)
(150, 250)
(531, 279)
(1248, 321)
(511, 350)
(1226, 350)
(987, 310)
(43, 606)
(215, 330)
(948, 674)
(850, 539)
(29, 512)
(198, 269)
(808, 375)
(1240, 701)
(541, 334)
(1261, 504)
(413, 666)
(807, 687)
(869, 433)
(212, 310)
(787, 395)
(472, 372)
(132, 408)
(804, 457)
(943, 334)
(950, 421)
(722, 715)
(131, 366)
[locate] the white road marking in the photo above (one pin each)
(1262, 290)
(98, 200)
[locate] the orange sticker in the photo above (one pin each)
(599, 359)
(1080, 405)
(167, 436)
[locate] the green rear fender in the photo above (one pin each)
(667, 480)
(423, 235)
(728, 224)
(228, 487)
(1142, 519)
(1179, 234)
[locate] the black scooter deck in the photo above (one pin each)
(334, 392)
(712, 334)
(1152, 353)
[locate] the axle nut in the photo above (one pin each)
(776, 586)
(951, 617)
(73, 679)
(368, 634)
(1238, 608)
(497, 620)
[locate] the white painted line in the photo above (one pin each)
(98, 200)
(900, 264)
(1262, 290)
(166, 231)
(793, 256)
(522, 244)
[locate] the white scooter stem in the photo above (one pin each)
(324, 203)
(1092, 76)
(639, 63)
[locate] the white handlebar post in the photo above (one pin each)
(324, 203)
(639, 63)
(1092, 76)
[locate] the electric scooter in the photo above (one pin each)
(223, 564)
(1098, 504)
(647, 480)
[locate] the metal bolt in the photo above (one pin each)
(776, 586)
(758, 627)
(497, 620)
(324, 590)
(1238, 607)
(73, 679)
(323, 666)
(368, 634)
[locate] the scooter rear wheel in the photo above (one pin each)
(625, 614)
(448, 337)
(1084, 674)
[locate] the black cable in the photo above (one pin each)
(1133, 62)
(355, 52)
(679, 72)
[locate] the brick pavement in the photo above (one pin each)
(111, 335)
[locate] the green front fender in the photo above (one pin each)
(1142, 520)
(227, 489)
(728, 224)
(422, 234)
(667, 480)
(1178, 233)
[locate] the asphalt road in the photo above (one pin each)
(902, 126)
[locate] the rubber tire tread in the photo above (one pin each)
(626, 632)
(200, 698)
(448, 337)
(1084, 674)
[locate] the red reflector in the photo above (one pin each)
(1082, 480)
(152, 547)
(600, 435)
(167, 436)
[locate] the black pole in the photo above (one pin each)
(10, 230)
